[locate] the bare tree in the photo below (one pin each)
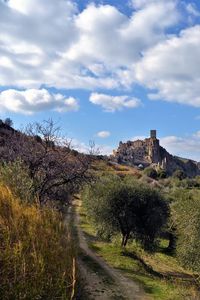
(56, 170)
(93, 149)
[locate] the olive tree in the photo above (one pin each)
(126, 206)
(186, 216)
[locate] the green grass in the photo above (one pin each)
(159, 274)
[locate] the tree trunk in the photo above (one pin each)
(125, 238)
(172, 242)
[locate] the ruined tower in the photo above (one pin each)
(153, 134)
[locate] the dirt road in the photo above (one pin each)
(103, 282)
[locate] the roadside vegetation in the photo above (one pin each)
(38, 177)
(159, 273)
(36, 255)
(162, 224)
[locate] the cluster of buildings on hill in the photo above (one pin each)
(148, 152)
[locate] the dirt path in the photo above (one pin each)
(102, 281)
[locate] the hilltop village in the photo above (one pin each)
(148, 152)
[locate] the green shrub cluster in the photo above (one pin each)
(186, 217)
(16, 176)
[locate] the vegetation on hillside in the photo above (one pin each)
(37, 255)
(56, 170)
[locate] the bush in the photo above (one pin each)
(162, 174)
(186, 216)
(179, 174)
(8, 122)
(123, 205)
(150, 172)
(16, 176)
(36, 257)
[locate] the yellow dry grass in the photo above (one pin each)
(36, 256)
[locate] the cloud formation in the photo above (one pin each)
(187, 147)
(172, 68)
(114, 103)
(103, 134)
(32, 100)
(52, 43)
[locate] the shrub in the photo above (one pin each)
(16, 176)
(150, 172)
(36, 257)
(162, 174)
(186, 216)
(8, 122)
(179, 174)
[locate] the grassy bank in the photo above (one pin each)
(159, 273)
(36, 254)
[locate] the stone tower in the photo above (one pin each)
(153, 134)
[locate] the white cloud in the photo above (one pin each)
(31, 101)
(103, 134)
(50, 42)
(114, 103)
(187, 147)
(138, 4)
(172, 68)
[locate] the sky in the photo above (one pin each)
(106, 71)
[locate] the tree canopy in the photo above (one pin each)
(126, 206)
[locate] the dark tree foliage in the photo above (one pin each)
(8, 122)
(151, 172)
(126, 206)
(179, 174)
(161, 174)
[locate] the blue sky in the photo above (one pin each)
(105, 70)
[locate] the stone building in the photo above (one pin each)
(149, 152)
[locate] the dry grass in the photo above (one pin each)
(36, 256)
(104, 167)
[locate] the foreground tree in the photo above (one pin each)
(126, 206)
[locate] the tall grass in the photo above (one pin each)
(36, 255)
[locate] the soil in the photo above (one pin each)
(101, 281)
